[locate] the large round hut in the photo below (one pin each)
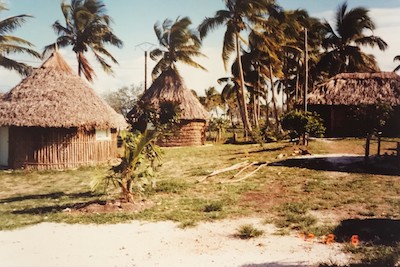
(193, 117)
(337, 99)
(53, 120)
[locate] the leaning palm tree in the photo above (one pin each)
(237, 17)
(397, 58)
(87, 27)
(178, 43)
(11, 44)
(342, 44)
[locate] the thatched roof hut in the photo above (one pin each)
(54, 120)
(358, 88)
(336, 98)
(170, 87)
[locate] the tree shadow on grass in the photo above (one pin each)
(58, 208)
(54, 195)
(351, 164)
(380, 231)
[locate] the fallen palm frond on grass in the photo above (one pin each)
(242, 166)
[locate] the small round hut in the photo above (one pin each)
(193, 117)
(53, 120)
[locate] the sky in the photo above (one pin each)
(133, 22)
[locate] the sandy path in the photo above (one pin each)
(158, 244)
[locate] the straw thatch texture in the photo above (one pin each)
(189, 133)
(169, 86)
(53, 96)
(52, 117)
(358, 88)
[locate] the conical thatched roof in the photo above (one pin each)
(358, 88)
(53, 96)
(169, 86)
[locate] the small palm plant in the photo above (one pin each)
(136, 171)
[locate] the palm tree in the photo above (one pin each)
(397, 58)
(342, 44)
(11, 44)
(293, 27)
(238, 16)
(178, 43)
(87, 27)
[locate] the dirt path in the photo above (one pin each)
(159, 244)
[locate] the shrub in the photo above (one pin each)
(214, 206)
(299, 123)
(248, 231)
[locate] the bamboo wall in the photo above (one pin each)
(189, 133)
(58, 148)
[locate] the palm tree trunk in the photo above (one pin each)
(78, 55)
(246, 121)
(274, 99)
(255, 118)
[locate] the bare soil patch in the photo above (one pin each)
(113, 206)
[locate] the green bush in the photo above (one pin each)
(248, 231)
(299, 123)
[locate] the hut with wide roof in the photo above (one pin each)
(193, 117)
(53, 120)
(337, 99)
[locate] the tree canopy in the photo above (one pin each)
(87, 27)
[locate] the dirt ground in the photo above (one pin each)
(160, 244)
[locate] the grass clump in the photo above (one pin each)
(174, 186)
(248, 231)
(294, 216)
(214, 206)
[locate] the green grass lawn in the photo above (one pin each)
(303, 199)
(309, 198)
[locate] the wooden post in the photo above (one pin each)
(367, 143)
(398, 152)
(379, 143)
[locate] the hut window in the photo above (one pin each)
(103, 134)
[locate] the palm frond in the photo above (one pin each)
(372, 41)
(12, 23)
(85, 67)
(209, 24)
(99, 49)
(10, 48)
(229, 46)
(22, 68)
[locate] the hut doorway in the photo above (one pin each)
(4, 140)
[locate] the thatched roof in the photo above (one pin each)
(358, 88)
(53, 96)
(169, 86)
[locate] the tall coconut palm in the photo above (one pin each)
(343, 44)
(11, 44)
(237, 17)
(178, 43)
(87, 27)
(293, 29)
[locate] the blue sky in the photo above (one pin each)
(134, 21)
